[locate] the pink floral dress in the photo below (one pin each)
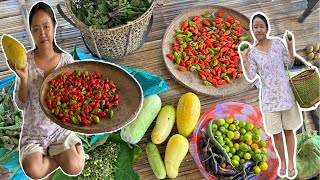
(37, 127)
(276, 93)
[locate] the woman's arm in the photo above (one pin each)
(288, 55)
(23, 91)
(250, 67)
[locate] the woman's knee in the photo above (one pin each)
(277, 136)
(33, 171)
(288, 132)
(74, 167)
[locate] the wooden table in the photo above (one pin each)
(283, 15)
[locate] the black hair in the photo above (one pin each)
(264, 19)
(42, 6)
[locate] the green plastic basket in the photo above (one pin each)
(306, 87)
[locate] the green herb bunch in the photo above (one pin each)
(102, 162)
(10, 125)
(101, 14)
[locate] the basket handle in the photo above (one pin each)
(64, 15)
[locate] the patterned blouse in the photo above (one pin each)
(37, 127)
(276, 93)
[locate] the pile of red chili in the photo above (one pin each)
(210, 48)
(81, 98)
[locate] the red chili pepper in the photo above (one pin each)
(64, 120)
(206, 23)
(194, 18)
(224, 49)
(101, 114)
(234, 74)
(49, 104)
(184, 25)
(116, 103)
(220, 14)
(230, 70)
(229, 18)
(86, 122)
(182, 68)
(60, 115)
(220, 82)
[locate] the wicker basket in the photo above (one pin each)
(113, 43)
(306, 87)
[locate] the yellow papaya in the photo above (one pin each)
(14, 51)
(177, 148)
(188, 113)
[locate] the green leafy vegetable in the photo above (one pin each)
(10, 124)
(110, 157)
(308, 152)
(107, 14)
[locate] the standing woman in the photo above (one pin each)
(44, 146)
(268, 59)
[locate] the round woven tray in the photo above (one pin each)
(191, 79)
(130, 101)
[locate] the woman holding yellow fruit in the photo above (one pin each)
(44, 146)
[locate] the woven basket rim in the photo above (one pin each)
(295, 78)
(80, 24)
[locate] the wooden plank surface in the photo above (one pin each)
(283, 15)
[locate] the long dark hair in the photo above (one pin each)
(264, 19)
(42, 6)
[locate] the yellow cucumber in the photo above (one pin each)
(164, 124)
(188, 113)
(155, 161)
(14, 51)
(134, 132)
(177, 148)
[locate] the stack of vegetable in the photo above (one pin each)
(101, 14)
(233, 148)
(186, 116)
(209, 45)
(10, 126)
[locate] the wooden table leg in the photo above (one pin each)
(312, 5)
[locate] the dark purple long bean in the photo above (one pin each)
(227, 172)
(216, 144)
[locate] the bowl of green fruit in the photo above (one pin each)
(229, 141)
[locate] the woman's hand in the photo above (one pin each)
(244, 54)
(290, 44)
(22, 73)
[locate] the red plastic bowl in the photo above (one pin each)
(241, 112)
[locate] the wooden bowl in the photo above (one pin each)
(192, 80)
(130, 101)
